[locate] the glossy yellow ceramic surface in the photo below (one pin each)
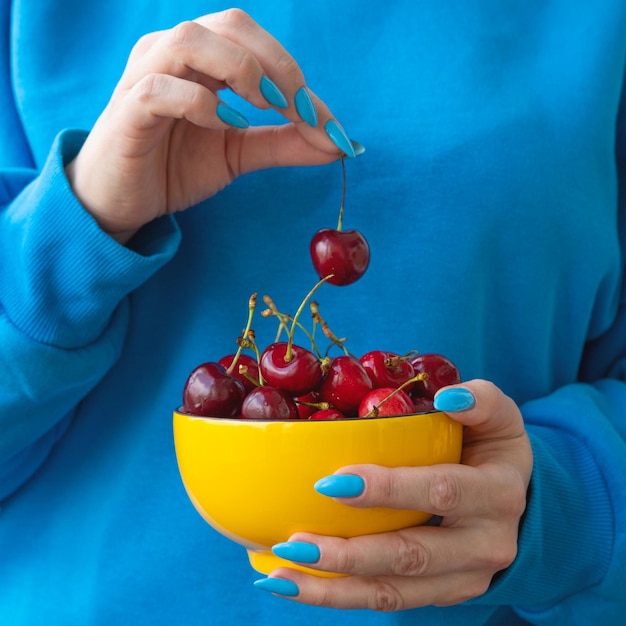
(253, 480)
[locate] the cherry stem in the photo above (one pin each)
(343, 194)
(294, 323)
(246, 332)
(417, 378)
(328, 333)
(322, 406)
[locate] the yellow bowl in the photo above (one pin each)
(252, 480)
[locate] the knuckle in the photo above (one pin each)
(148, 88)
(236, 18)
(183, 34)
(412, 557)
(287, 66)
(444, 493)
(385, 598)
(499, 555)
(344, 560)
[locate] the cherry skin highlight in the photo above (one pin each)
(269, 403)
(210, 392)
(440, 371)
(345, 384)
(380, 403)
(249, 362)
(299, 375)
(343, 253)
(387, 369)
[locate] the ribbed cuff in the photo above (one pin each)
(61, 276)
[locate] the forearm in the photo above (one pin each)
(63, 315)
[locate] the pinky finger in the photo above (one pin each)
(161, 96)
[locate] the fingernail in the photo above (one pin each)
(272, 93)
(455, 399)
(359, 148)
(305, 107)
(340, 486)
(297, 551)
(338, 136)
(281, 586)
(229, 116)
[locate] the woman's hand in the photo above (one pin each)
(480, 500)
(165, 141)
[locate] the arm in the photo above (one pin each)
(63, 315)
(96, 223)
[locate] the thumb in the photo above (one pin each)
(482, 407)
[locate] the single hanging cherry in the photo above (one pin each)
(343, 253)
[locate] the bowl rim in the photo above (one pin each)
(240, 420)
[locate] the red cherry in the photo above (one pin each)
(327, 414)
(297, 375)
(210, 392)
(305, 410)
(345, 384)
(343, 253)
(380, 402)
(387, 369)
(423, 405)
(249, 362)
(441, 372)
(269, 403)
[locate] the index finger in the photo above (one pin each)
(283, 70)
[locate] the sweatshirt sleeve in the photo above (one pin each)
(571, 564)
(63, 304)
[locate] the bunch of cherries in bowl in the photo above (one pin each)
(287, 381)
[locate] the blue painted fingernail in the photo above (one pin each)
(272, 93)
(305, 107)
(228, 115)
(455, 399)
(340, 486)
(281, 586)
(299, 551)
(359, 148)
(338, 136)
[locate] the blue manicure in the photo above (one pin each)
(228, 115)
(340, 486)
(305, 107)
(455, 399)
(359, 148)
(272, 93)
(298, 551)
(338, 136)
(281, 586)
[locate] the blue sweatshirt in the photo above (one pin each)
(492, 196)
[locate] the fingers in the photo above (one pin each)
(229, 49)
(446, 490)
(378, 593)
(413, 552)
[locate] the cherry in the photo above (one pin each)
(210, 392)
(345, 384)
(423, 405)
(440, 371)
(269, 403)
(387, 369)
(386, 401)
(307, 404)
(291, 368)
(251, 365)
(344, 254)
(327, 414)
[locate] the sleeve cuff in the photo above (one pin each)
(61, 276)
